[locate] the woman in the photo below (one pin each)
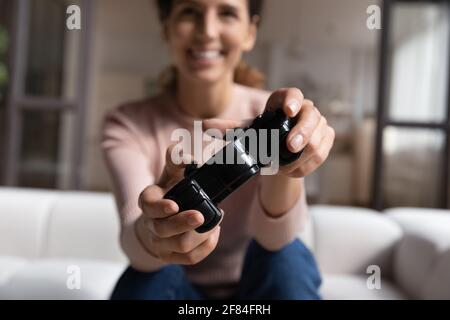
(258, 255)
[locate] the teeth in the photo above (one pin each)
(210, 54)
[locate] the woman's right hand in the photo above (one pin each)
(167, 234)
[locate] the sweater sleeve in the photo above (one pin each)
(129, 168)
(274, 233)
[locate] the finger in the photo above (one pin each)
(301, 133)
(313, 145)
(177, 224)
(289, 99)
(187, 241)
(153, 205)
(175, 165)
(318, 140)
(211, 126)
(199, 253)
(318, 158)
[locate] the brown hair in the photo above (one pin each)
(243, 74)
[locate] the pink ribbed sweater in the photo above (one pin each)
(135, 137)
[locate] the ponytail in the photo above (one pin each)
(249, 76)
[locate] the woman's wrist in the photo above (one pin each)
(141, 232)
(279, 193)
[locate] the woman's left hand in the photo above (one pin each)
(311, 133)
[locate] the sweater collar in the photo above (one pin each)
(175, 110)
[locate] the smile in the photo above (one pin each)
(205, 55)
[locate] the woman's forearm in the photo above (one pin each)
(279, 193)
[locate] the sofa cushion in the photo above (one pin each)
(353, 287)
(57, 279)
(8, 266)
(349, 240)
(23, 221)
(438, 283)
(84, 225)
(421, 255)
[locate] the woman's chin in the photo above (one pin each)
(207, 77)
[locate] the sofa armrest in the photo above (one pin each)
(349, 240)
(422, 259)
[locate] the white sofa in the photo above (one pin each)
(50, 238)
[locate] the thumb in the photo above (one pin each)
(174, 170)
(222, 125)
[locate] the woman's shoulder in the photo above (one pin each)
(136, 109)
(134, 122)
(137, 113)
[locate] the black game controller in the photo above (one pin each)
(204, 188)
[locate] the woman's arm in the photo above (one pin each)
(288, 213)
(282, 196)
(279, 193)
(129, 167)
(279, 212)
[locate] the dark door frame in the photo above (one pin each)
(383, 121)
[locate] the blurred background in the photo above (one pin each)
(386, 92)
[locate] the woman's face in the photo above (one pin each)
(207, 37)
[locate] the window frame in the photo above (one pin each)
(383, 121)
(18, 101)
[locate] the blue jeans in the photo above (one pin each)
(290, 273)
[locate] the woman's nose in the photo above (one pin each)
(209, 26)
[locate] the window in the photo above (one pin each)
(47, 94)
(413, 138)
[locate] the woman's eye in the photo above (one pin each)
(229, 14)
(188, 12)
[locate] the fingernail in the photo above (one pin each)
(294, 107)
(192, 220)
(168, 209)
(296, 142)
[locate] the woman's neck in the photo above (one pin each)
(204, 101)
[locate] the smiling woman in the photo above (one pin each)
(188, 10)
(206, 41)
